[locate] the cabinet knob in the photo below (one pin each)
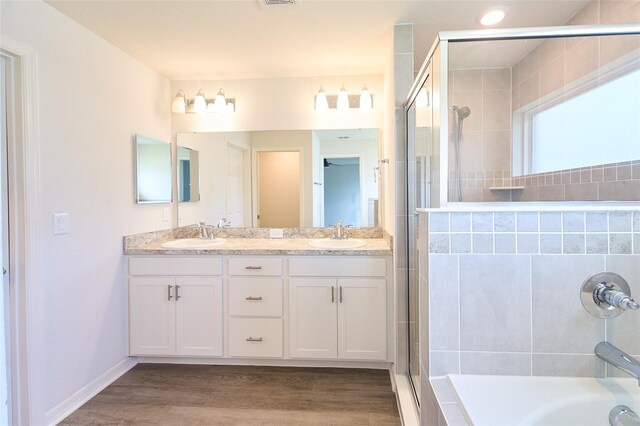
(254, 339)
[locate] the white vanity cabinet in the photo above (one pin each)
(338, 308)
(175, 306)
(255, 306)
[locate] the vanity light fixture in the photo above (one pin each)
(321, 100)
(492, 18)
(342, 103)
(200, 104)
(366, 103)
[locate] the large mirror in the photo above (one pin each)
(153, 170)
(282, 179)
(554, 119)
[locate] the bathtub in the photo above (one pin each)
(525, 400)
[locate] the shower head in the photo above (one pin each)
(463, 113)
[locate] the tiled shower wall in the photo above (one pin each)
(503, 290)
(544, 72)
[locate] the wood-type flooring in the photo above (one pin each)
(164, 394)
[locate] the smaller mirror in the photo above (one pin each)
(153, 170)
(188, 175)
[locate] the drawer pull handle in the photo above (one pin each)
(254, 339)
(169, 293)
(254, 298)
(253, 268)
(340, 294)
(333, 294)
(177, 295)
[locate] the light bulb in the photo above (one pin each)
(179, 105)
(343, 100)
(220, 102)
(321, 101)
(199, 103)
(492, 18)
(365, 99)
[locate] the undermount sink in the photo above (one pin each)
(328, 243)
(193, 243)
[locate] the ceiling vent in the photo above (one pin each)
(278, 2)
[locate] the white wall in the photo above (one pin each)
(92, 99)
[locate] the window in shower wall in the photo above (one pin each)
(573, 133)
(544, 119)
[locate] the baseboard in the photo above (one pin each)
(266, 362)
(406, 402)
(75, 401)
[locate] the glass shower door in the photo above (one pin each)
(419, 146)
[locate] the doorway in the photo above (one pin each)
(278, 203)
(342, 191)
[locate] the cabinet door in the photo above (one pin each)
(152, 319)
(313, 318)
(362, 318)
(199, 316)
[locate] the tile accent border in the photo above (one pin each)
(569, 232)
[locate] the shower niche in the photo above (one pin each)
(549, 114)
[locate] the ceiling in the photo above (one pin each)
(238, 39)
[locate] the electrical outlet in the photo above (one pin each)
(276, 233)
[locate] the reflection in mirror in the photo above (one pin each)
(153, 170)
(188, 175)
(545, 120)
(290, 178)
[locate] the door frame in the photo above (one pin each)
(255, 201)
(363, 204)
(24, 233)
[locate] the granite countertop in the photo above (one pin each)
(264, 246)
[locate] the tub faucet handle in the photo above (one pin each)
(607, 295)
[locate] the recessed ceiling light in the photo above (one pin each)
(492, 18)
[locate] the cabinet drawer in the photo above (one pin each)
(258, 297)
(255, 337)
(337, 267)
(255, 266)
(175, 265)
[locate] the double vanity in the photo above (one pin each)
(242, 297)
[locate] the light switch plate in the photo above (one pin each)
(276, 233)
(60, 223)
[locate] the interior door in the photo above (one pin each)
(279, 189)
(235, 186)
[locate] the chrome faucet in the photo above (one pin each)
(339, 232)
(203, 231)
(222, 223)
(614, 356)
